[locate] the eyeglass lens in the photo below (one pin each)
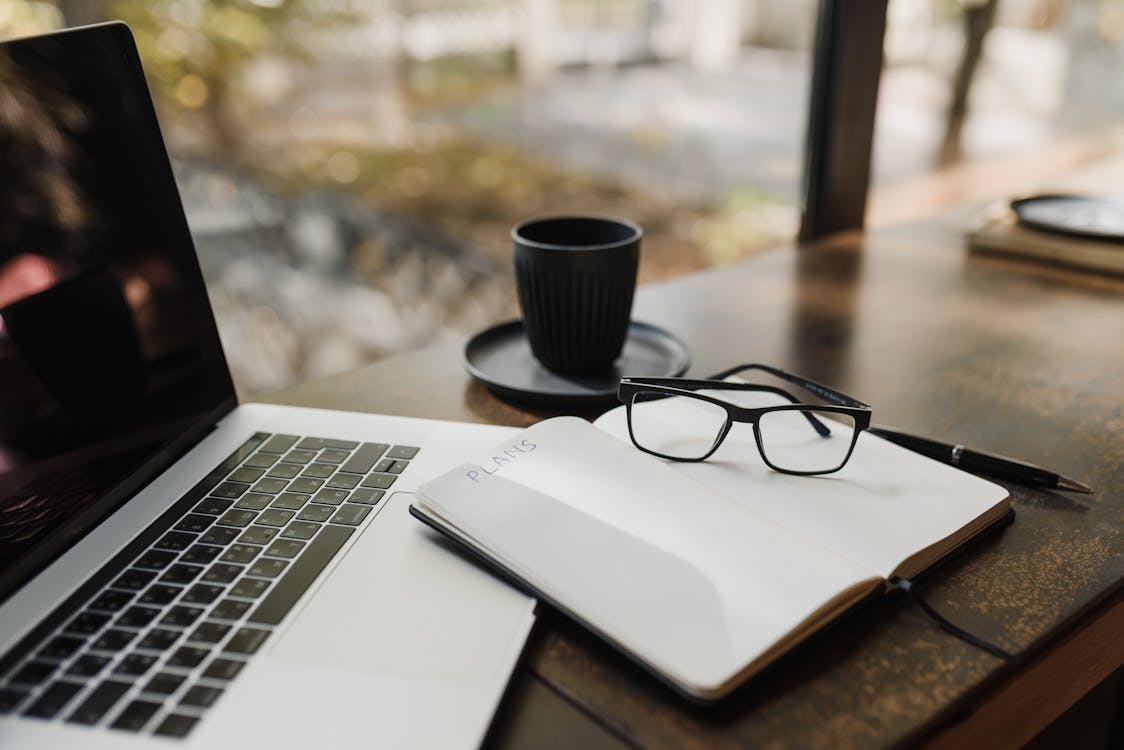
(790, 442)
(674, 426)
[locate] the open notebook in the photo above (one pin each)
(703, 573)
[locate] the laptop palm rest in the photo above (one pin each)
(398, 605)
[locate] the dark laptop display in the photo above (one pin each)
(110, 362)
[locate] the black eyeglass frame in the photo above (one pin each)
(838, 403)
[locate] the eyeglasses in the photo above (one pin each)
(686, 420)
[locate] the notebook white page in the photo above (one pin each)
(884, 505)
(693, 583)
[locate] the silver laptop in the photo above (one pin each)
(177, 569)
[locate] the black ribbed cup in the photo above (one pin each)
(576, 276)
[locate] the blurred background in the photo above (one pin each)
(351, 168)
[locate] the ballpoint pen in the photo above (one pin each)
(997, 467)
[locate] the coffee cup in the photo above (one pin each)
(575, 277)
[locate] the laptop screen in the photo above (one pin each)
(109, 356)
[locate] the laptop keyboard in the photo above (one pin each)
(152, 648)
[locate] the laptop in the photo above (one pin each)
(176, 569)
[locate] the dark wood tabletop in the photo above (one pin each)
(1003, 355)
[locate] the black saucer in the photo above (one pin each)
(501, 359)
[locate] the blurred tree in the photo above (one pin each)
(979, 17)
(196, 50)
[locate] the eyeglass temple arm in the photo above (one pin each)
(821, 390)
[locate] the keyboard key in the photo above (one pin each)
(87, 622)
(188, 657)
(330, 496)
(176, 725)
(379, 481)
(222, 573)
(311, 443)
(391, 465)
(403, 451)
(279, 443)
(34, 672)
(136, 617)
(134, 664)
(159, 639)
(246, 475)
(209, 632)
(181, 573)
(52, 700)
(274, 517)
(344, 481)
(319, 471)
(291, 500)
(300, 576)
(113, 640)
(61, 647)
(261, 460)
(230, 490)
(177, 541)
(155, 559)
(160, 594)
(332, 456)
(194, 523)
(253, 501)
(98, 702)
(267, 567)
(249, 588)
(284, 548)
(270, 486)
(219, 535)
(284, 471)
(351, 514)
(203, 593)
(366, 496)
(223, 669)
(164, 683)
(230, 609)
(88, 665)
(364, 458)
(135, 716)
(212, 506)
(300, 456)
(314, 512)
(237, 518)
(111, 601)
(11, 698)
(202, 696)
(133, 579)
(258, 535)
(181, 616)
(241, 553)
(246, 641)
(305, 485)
(201, 554)
(301, 530)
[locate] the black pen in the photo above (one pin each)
(998, 467)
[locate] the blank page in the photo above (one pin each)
(885, 505)
(692, 583)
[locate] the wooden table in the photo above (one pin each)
(1012, 357)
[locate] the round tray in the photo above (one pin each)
(501, 359)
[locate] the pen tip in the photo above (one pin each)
(1072, 485)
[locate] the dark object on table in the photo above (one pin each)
(1073, 215)
(576, 276)
(501, 359)
(989, 465)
